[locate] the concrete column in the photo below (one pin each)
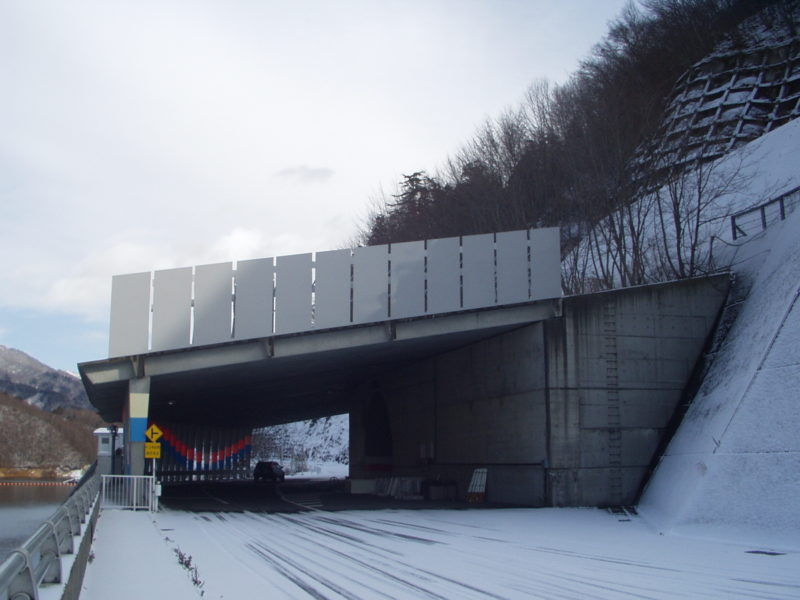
(136, 409)
(378, 447)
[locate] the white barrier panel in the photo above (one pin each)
(332, 288)
(212, 304)
(293, 293)
(545, 263)
(253, 305)
(477, 270)
(444, 275)
(337, 288)
(407, 277)
(172, 308)
(130, 314)
(512, 267)
(370, 284)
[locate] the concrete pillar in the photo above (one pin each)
(135, 424)
(377, 434)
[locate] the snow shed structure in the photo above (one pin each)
(564, 400)
(568, 411)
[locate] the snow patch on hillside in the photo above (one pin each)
(313, 448)
(751, 175)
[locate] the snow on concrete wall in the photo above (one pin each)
(733, 466)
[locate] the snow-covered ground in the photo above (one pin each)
(322, 470)
(513, 553)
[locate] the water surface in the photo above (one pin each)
(22, 510)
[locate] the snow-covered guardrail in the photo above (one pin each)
(39, 560)
(753, 220)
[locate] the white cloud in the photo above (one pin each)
(305, 174)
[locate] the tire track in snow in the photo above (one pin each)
(288, 540)
(228, 532)
(391, 564)
(377, 532)
(363, 566)
(284, 566)
(342, 536)
(530, 591)
(387, 575)
(354, 556)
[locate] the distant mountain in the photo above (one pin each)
(24, 377)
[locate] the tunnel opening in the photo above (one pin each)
(311, 449)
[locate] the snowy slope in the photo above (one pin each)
(315, 447)
(733, 467)
(755, 173)
(768, 167)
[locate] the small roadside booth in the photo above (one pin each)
(109, 449)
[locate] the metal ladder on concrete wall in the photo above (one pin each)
(614, 421)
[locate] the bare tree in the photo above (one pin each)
(691, 207)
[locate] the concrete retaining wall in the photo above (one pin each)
(617, 365)
(566, 412)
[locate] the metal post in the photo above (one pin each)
(153, 490)
(113, 430)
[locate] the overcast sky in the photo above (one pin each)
(148, 134)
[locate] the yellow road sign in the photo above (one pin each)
(154, 433)
(152, 450)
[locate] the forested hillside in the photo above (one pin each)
(46, 421)
(579, 155)
(33, 438)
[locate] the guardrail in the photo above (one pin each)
(130, 492)
(38, 560)
(756, 219)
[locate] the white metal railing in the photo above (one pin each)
(129, 492)
(38, 560)
(758, 218)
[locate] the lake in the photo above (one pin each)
(23, 507)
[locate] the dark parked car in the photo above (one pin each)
(268, 471)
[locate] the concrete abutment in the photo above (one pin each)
(568, 411)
